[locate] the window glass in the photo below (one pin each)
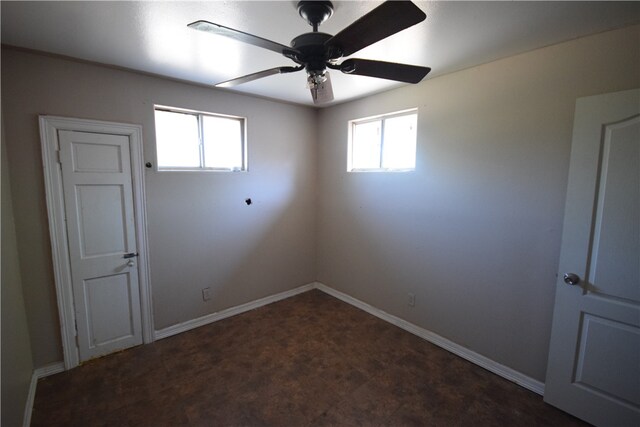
(222, 139)
(177, 140)
(399, 150)
(366, 145)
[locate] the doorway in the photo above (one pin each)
(94, 183)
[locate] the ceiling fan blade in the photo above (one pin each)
(258, 75)
(323, 92)
(221, 30)
(385, 20)
(384, 70)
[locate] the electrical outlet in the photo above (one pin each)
(206, 294)
(412, 300)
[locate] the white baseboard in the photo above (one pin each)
(232, 311)
(50, 369)
(482, 361)
(38, 373)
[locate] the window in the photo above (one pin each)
(383, 143)
(187, 140)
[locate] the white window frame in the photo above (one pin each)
(382, 118)
(199, 115)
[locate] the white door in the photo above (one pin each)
(594, 358)
(98, 199)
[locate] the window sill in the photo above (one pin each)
(380, 170)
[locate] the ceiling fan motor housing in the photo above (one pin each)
(311, 51)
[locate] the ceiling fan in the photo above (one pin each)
(316, 51)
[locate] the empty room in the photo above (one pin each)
(306, 213)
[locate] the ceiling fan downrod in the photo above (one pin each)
(315, 12)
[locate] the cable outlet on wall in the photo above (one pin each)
(206, 294)
(412, 300)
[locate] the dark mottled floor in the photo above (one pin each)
(307, 360)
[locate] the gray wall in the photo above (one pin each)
(17, 364)
(201, 233)
(475, 231)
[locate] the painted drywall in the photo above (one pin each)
(475, 231)
(200, 231)
(17, 364)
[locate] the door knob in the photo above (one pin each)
(131, 263)
(571, 279)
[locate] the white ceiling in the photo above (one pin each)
(153, 37)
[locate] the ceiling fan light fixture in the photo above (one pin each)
(322, 91)
(315, 79)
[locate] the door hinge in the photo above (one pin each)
(58, 157)
(75, 326)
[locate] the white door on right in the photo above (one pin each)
(594, 358)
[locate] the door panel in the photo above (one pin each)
(616, 346)
(96, 175)
(593, 370)
(615, 259)
(109, 308)
(100, 211)
(96, 158)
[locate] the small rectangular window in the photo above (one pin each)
(383, 143)
(187, 140)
